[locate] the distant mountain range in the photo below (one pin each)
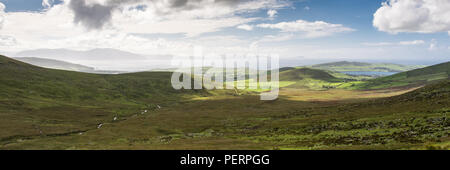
(102, 59)
(345, 66)
(112, 59)
(95, 54)
(62, 65)
(55, 64)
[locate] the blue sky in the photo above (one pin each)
(22, 5)
(316, 30)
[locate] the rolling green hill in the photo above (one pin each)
(410, 78)
(53, 109)
(345, 66)
(308, 78)
(26, 80)
(36, 101)
(416, 120)
(306, 73)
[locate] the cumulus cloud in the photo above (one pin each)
(272, 13)
(127, 24)
(245, 27)
(308, 29)
(95, 14)
(92, 16)
(420, 16)
(414, 42)
(47, 3)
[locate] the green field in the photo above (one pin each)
(52, 109)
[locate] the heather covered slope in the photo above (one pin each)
(36, 101)
(415, 120)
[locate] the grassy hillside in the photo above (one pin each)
(37, 101)
(410, 78)
(308, 78)
(27, 80)
(306, 73)
(52, 109)
(345, 66)
(416, 120)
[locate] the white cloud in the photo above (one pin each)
(272, 13)
(275, 38)
(378, 44)
(47, 3)
(309, 29)
(95, 14)
(414, 42)
(433, 45)
(2, 14)
(54, 26)
(420, 16)
(245, 27)
(307, 8)
(7, 41)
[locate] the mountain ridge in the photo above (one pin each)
(55, 64)
(417, 77)
(348, 66)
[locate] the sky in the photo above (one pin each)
(300, 31)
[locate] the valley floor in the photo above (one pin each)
(299, 119)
